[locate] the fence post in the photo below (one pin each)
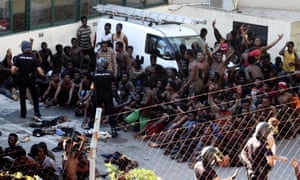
(94, 141)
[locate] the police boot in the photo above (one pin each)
(114, 133)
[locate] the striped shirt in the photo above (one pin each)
(84, 39)
(111, 58)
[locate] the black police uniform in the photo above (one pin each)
(103, 95)
(26, 77)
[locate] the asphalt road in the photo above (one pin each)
(149, 158)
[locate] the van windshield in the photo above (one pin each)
(187, 40)
(166, 47)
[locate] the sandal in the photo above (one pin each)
(84, 125)
(153, 144)
(25, 139)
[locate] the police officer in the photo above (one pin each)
(25, 67)
(256, 153)
(102, 89)
(203, 169)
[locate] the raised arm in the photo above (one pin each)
(217, 34)
(267, 47)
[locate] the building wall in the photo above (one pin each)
(224, 22)
(63, 34)
(272, 4)
(295, 34)
(54, 35)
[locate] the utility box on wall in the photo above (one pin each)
(227, 5)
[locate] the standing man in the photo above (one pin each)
(85, 42)
(120, 36)
(25, 66)
(102, 88)
(107, 35)
(289, 57)
(203, 169)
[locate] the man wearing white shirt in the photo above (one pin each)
(107, 35)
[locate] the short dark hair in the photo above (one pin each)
(130, 47)
(73, 39)
(120, 44)
(58, 46)
(43, 145)
(83, 18)
(120, 25)
(290, 43)
(182, 46)
(14, 135)
(190, 52)
(203, 30)
(107, 25)
(44, 43)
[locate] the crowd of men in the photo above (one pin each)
(216, 97)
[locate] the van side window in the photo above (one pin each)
(159, 46)
(151, 44)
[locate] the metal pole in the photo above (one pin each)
(94, 141)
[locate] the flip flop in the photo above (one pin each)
(25, 139)
(37, 119)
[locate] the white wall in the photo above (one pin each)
(63, 34)
(272, 4)
(54, 35)
(224, 22)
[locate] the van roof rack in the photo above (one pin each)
(145, 15)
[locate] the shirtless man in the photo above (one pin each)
(70, 157)
(203, 65)
(124, 63)
(216, 59)
(284, 96)
(253, 71)
(194, 83)
(76, 54)
(64, 92)
(152, 70)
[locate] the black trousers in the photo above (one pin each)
(23, 84)
(99, 101)
(92, 56)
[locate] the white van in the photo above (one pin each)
(146, 36)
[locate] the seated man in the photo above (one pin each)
(64, 94)
(13, 147)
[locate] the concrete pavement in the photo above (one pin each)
(149, 158)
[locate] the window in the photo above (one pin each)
(87, 7)
(19, 16)
(41, 12)
(159, 46)
(187, 40)
(166, 47)
(258, 30)
(64, 11)
(117, 2)
(25, 15)
(4, 16)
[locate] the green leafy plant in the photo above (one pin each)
(141, 174)
(113, 171)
